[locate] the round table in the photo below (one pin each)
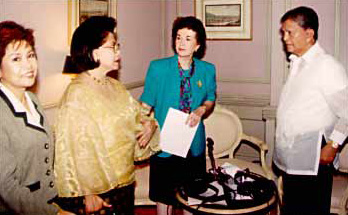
(263, 208)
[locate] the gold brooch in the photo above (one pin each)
(199, 83)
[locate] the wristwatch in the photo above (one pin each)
(335, 145)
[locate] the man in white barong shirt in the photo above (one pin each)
(312, 117)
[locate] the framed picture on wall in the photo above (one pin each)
(80, 10)
(225, 19)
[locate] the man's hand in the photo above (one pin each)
(328, 153)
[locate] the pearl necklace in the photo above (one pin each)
(103, 81)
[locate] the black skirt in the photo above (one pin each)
(121, 199)
(167, 174)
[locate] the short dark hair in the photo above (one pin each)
(195, 25)
(305, 17)
(13, 32)
(90, 35)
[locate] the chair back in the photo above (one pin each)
(225, 128)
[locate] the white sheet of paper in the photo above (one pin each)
(176, 137)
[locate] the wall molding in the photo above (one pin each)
(269, 113)
(178, 8)
(134, 84)
(253, 107)
(279, 65)
(268, 43)
(259, 80)
(163, 41)
(337, 28)
(244, 100)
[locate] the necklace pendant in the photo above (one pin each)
(97, 80)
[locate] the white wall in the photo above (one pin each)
(139, 27)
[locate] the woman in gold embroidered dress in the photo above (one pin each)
(100, 128)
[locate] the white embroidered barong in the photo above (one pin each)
(313, 103)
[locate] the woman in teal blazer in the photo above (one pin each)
(188, 84)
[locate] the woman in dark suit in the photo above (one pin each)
(186, 83)
(26, 146)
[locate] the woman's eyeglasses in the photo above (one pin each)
(114, 48)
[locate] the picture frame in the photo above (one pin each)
(225, 19)
(79, 10)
